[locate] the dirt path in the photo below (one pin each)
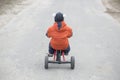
(95, 43)
(113, 8)
(10, 8)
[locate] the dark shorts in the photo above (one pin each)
(51, 50)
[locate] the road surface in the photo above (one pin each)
(95, 43)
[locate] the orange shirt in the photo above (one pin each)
(59, 38)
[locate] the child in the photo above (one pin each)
(59, 33)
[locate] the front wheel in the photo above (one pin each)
(72, 62)
(46, 62)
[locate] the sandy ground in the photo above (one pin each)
(10, 8)
(113, 8)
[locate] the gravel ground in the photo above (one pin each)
(113, 8)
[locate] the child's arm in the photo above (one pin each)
(70, 33)
(48, 33)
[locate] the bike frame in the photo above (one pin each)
(57, 55)
(58, 52)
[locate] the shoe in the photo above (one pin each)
(66, 54)
(50, 55)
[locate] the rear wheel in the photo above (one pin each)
(72, 62)
(46, 62)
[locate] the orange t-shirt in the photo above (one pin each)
(59, 38)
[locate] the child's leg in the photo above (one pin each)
(66, 51)
(51, 50)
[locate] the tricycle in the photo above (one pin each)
(57, 59)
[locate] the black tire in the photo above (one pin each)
(72, 62)
(46, 62)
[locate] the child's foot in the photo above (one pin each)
(66, 54)
(50, 55)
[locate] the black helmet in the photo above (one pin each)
(59, 17)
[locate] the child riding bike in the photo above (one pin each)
(59, 33)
